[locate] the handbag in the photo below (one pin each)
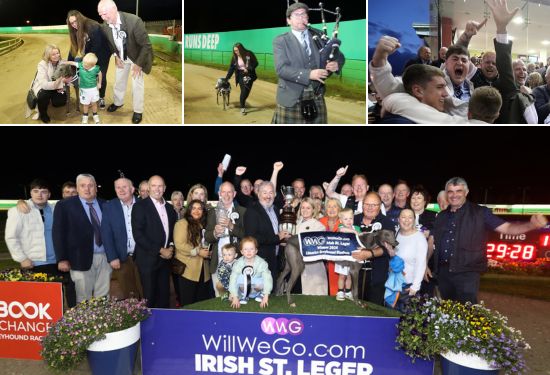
(32, 100)
(177, 266)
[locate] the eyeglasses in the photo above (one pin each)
(300, 15)
(371, 205)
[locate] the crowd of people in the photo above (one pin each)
(459, 88)
(126, 246)
(122, 35)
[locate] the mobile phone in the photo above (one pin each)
(225, 162)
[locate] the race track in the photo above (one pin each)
(200, 101)
(162, 92)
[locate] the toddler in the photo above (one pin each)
(344, 277)
(229, 253)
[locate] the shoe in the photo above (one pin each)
(45, 118)
(113, 107)
(259, 298)
(243, 301)
(85, 119)
(225, 297)
(101, 103)
(340, 296)
(349, 296)
(96, 119)
(243, 111)
(136, 118)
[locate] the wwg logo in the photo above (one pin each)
(315, 241)
(282, 326)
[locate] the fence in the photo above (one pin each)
(168, 27)
(354, 71)
(9, 45)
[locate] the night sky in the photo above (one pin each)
(217, 16)
(384, 21)
(40, 13)
(504, 160)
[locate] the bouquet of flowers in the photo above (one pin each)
(65, 345)
(431, 326)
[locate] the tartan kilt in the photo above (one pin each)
(293, 115)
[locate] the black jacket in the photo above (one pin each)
(234, 68)
(470, 251)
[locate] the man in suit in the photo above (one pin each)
(301, 73)
(77, 240)
(129, 41)
(261, 221)
(152, 227)
(220, 232)
(116, 231)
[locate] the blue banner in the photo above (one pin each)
(209, 342)
(328, 245)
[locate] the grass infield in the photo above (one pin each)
(320, 305)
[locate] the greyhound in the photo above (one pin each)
(65, 71)
(294, 263)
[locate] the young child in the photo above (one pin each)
(90, 83)
(251, 270)
(344, 278)
(229, 253)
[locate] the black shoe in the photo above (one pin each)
(136, 118)
(113, 107)
(45, 119)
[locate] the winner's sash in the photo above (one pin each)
(334, 246)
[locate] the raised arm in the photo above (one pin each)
(277, 166)
(331, 188)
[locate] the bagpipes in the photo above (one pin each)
(329, 49)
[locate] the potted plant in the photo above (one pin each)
(87, 329)
(464, 334)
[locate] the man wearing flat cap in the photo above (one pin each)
(300, 91)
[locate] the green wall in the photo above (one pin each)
(217, 47)
(159, 41)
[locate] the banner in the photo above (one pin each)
(27, 310)
(328, 245)
(210, 342)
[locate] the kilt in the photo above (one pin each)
(293, 115)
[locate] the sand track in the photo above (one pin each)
(162, 92)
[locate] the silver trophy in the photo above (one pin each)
(222, 218)
(287, 221)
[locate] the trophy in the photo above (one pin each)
(287, 221)
(222, 217)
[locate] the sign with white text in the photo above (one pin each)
(334, 246)
(210, 342)
(27, 310)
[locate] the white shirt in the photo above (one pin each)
(413, 250)
(115, 29)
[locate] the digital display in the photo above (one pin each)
(512, 251)
(544, 240)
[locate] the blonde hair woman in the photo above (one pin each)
(45, 88)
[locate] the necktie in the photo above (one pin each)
(305, 43)
(458, 91)
(95, 224)
(42, 214)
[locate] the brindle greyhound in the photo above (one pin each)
(294, 263)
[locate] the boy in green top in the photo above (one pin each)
(90, 83)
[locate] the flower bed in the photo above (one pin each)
(431, 326)
(15, 274)
(540, 267)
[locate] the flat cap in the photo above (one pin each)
(295, 6)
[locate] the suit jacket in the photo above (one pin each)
(514, 102)
(258, 225)
(138, 45)
(237, 232)
(113, 231)
(149, 233)
(293, 66)
(73, 234)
